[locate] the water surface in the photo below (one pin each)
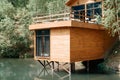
(28, 69)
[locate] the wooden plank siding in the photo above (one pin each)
(109, 41)
(89, 44)
(60, 44)
(86, 44)
(72, 44)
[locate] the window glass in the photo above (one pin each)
(79, 12)
(80, 7)
(89, 6)
(38, 46)
(43, 43)
(97, 5)
(90, 12)
(94, 9)
(47, 46)
(42, 32)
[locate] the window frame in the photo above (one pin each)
(94, 10)
(41, 41)
(79, 14)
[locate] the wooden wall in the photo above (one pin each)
(60, 44)
(72, 44)
(88, 44)
(108, 41)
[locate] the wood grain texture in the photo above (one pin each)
(86, 44)
(79, 2)
(73, 44)
(108, 41)
(64, 24)
(35, 45)
(60, 45)
(78, 42)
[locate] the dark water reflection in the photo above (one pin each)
(28, 69)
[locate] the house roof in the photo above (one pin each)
(68, 3)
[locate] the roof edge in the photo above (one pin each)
(68, 3)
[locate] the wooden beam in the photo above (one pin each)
(70, 2)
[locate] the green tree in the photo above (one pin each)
(43, 7)
(15, 17)
(14, 33)
(19, 3)
(111, 19)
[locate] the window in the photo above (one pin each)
(94, 9)
(91, 9)
(79, 12)
(43, 43)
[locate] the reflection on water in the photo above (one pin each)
(28, 69)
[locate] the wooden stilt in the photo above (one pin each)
(72, 67)
(68, 67)
(45, 63)
(58, 65)
(53, 66)
(88, 66)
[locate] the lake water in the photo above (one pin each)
(28, 69)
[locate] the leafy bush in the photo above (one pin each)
(111, 16)
(14, 32)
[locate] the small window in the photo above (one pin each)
(43, 43)
(79, 12)
(94, 9)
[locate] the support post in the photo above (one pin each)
(53, 66)
(72, 67)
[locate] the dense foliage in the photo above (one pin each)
(15, 17)
(43, 7)
(14, 33)
(111, 22)
(111, 19)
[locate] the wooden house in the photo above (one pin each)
(72, 38)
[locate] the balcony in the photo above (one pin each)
(87, 13)
(65, 16)
(60, 16)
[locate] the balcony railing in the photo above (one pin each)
(77, 15)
